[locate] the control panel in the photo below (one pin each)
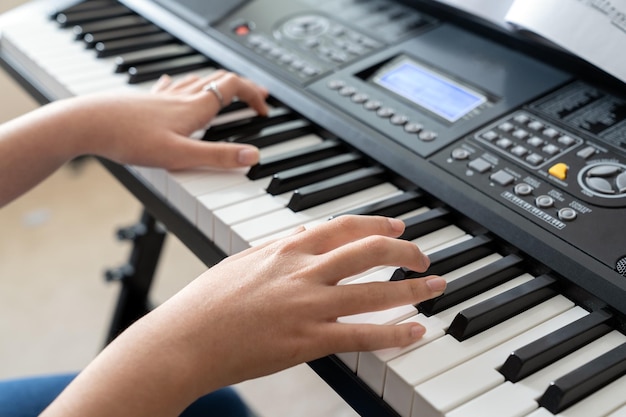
(305, 39)
(432, 89)
(512, 127)
(563, 173)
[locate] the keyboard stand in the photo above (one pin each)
(137, 275)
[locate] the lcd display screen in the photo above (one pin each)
(440, 95)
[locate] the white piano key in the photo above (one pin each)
(436, 357)
(388, 316)
(283, 233)
(234, 116)
(532, 387)
(201, 195)
(184, 194)
(429, 250)
(147, 175)
(461, 384)
(511, 401)
(207, 204)
(244, 233)
(620, 412)
(540, 412)
(66, 62)
(372, 366)
(224, 219)
(471, 267)
(30, 69)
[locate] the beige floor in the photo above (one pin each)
(54, 303)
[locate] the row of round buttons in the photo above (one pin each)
(504, 179)
(545, 202)
(382, 111)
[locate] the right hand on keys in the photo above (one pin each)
(257, 312)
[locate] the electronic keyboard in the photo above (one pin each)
(508, 170)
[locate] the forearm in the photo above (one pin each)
(144, 372)
(34, 145)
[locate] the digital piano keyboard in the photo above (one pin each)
(506, 160)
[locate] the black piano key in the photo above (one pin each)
(148, 56)
(392, 206)
(149, 72)
(556, 345)
(249, 125)
(84, 6)
(107, 25)
(234, 106)
(276, 134)
(117, 47)
(424, 223)
(313, 172)
(474, 283)
(287, 160)
(334, 188)
(69, 19)
(450, 258)
(584, 381)
(495, 310)
(92, 38)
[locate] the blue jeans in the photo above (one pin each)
(27, 397)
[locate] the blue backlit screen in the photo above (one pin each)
(440, 95)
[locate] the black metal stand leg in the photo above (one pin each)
(136, 276)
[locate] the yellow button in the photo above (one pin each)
(559, 170)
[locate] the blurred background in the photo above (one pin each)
(58, 240)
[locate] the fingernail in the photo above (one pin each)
(417, 331)
(248, 156)
(397, 225)
(436, 284)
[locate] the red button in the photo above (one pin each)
(242, 30)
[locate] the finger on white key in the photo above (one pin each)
(372, 366)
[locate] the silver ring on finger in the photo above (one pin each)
(212, 87)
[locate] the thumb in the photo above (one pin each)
(195, 153)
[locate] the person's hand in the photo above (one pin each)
(154, 129)
(256, 312)
(271, 307)
(148, 129)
